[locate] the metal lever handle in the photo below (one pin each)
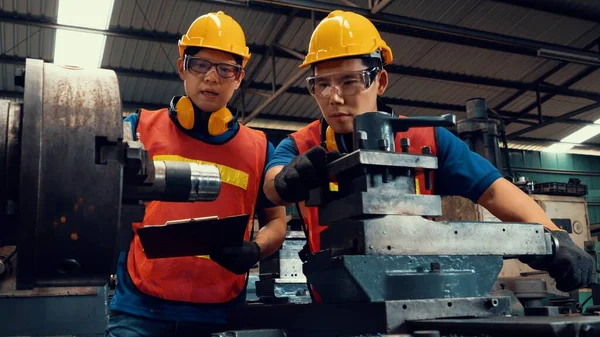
(375, 130)
(403, 124)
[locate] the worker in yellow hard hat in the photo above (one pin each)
(188, 296)
(348, 58)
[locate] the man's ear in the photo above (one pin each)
(180, 68)
(382, 82)
(238, 81)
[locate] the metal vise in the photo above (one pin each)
(378, 247)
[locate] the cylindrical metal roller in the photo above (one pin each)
(205, 182)
(178, 181)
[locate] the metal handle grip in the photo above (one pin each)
(403, 124)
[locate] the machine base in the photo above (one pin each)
(354, 319)
(384, 319)
(522, 326)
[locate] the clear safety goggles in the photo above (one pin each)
(346, 84)
(202, 67)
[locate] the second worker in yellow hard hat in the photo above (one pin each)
(189, 296)
(348, 58)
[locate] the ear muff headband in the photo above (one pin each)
(183, 110)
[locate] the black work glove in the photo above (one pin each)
(304, 173)
(571, 267)
(237, 260)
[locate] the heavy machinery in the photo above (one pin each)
(281, 279)
(71, 184)
(384, 269)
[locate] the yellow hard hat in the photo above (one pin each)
(216, 31)
(343, 34)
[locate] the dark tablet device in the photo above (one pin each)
(191, 237)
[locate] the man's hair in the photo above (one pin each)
(195, 50)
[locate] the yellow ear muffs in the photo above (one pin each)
(185, 112)
(330, 142)
(220, 121)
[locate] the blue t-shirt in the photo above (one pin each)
(460, 170)
(130, 300)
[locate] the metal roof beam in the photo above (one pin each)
(589, 13)
(436, 31)
(282, 89)
(379, 6)
(22, 19)
(576, 78)
(287, 53)
(541, 79)
(386, 22)
(560, 118)
(276, 33)
(350, 3)
(487, 81)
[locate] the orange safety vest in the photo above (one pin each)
(310, 136)
(241, 162)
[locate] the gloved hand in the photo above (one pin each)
(571, 267)
(238, 260)
(304, 173)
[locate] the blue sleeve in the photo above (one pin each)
(284, 153)
(461, 171)
(133, 119)
(263, 201)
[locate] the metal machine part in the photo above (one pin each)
(361, 318)
(524, 185)
(414, 235)
(479, 132)
(281, 279)
(381, 264)
(356, 325)
(377, 130)
(455, 208)
(523, 326)
(377, 212)
(530, 291)
(366, 278)
(69, 184)
(177, 181)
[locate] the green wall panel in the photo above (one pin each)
(559, 167)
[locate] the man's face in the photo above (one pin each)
(341, 94)
(211, 84)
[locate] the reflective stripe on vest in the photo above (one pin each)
(241, 162)
(310, 136)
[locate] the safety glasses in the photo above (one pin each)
(202, 67)
(345, 83)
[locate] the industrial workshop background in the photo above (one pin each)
(535, 62)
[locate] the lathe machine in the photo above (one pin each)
(72, 181)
